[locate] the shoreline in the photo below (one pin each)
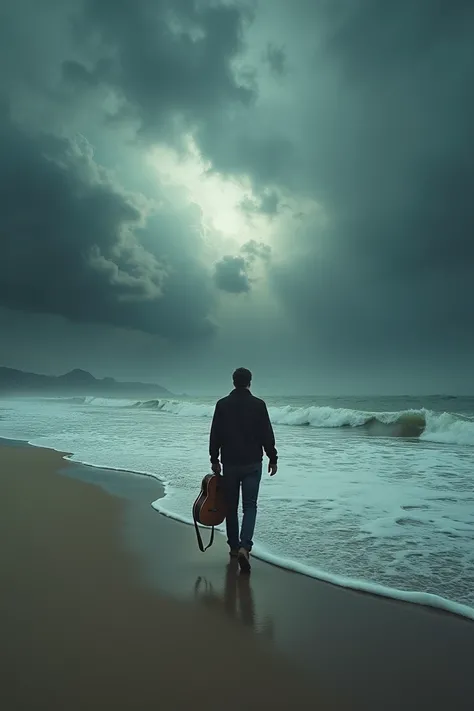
(80, 629)
(430, 601)
(353, 646)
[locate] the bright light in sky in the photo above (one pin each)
(219, 198)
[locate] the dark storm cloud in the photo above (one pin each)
(379, 131)
(70, 246)
(374, 121)
(167, 59)
(398, 178)
(76, 244)
(231, 273)
(377, 37)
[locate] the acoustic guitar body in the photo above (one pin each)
(209, 508)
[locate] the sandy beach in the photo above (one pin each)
(104, 603)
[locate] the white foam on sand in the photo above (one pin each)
(418, 598)
(261, 552)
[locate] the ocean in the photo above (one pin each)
(371, 493)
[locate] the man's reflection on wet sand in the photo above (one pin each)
(236, 600)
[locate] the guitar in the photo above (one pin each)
(209, 509)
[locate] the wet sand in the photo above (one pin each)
(105, 603)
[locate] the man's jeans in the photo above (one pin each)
(248, 476)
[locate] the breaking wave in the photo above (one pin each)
(444, 427)
(177, 407)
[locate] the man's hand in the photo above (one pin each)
(216, 467)
(272, 469)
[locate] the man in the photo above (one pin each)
(240, 428)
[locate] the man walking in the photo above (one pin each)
(240, 428)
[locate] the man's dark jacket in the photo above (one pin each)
(240, 429)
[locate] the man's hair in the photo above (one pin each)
(241, 378)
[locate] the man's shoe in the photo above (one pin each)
(244, 561)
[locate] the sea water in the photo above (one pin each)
(371, 493)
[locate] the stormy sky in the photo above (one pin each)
(187, 186)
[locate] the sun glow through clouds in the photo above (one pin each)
(220, 199)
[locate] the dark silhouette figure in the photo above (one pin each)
(240, 431)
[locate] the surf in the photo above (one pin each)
(424, 424)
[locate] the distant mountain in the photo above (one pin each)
(76, 382)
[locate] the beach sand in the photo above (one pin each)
(106, 604)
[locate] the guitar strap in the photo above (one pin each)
(199, 539)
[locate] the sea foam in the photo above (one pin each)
(443, 427)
